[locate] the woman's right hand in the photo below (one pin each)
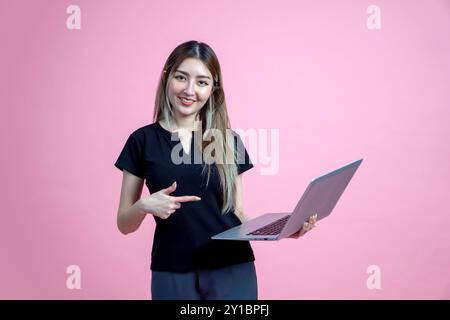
(162, 204)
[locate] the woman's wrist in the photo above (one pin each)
(140, 207)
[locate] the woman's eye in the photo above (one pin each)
(203, 83)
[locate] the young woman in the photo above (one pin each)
(194, 194)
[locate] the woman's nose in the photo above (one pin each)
(189, 90)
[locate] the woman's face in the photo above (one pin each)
(193, 81)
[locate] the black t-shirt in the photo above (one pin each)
(182, 242)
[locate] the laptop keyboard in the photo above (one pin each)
(272, 228)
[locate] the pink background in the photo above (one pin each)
(336, 90)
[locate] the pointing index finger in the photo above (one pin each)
(186, 198)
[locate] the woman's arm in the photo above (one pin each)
(239, 206)
(129, 214)
(133, 208)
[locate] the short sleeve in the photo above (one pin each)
(131, 157)
(243, 159)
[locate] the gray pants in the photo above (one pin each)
(235, 282)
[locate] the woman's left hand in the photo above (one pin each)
(307, 226)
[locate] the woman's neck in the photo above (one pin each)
(186, 123)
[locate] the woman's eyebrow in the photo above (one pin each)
(186, 73)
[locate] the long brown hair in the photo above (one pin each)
(213, 115)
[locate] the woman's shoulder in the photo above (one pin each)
(145, 132)
(146, 128)
(235, 134)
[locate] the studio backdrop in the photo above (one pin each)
(319, 84)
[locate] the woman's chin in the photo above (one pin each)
(185, 111)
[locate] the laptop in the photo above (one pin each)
(320, 197)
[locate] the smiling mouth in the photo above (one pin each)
(186, 102)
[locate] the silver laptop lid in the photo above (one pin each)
(320, 197)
